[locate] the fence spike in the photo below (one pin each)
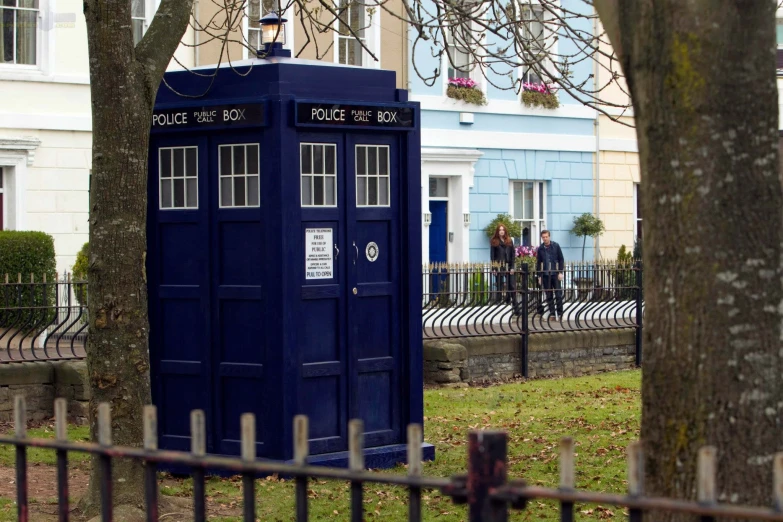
(414, 450)
(301, 439)
(567, 463)
(20, 416)
(248, 426)
(61, 419)
(706, 475)
(197, 433)
(777, 468)
(356, 445)
(19, 278)
(150, 427)
(32, 278)
(635, 468)
(104, 424)
(44, 277)
(6, 278)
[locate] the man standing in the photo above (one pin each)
(549, 265)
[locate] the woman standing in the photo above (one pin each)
(502, 253)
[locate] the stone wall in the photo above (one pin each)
(41, 383)
(560, 354)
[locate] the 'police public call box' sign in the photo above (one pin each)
(284, 242)
(209, 115)
(353, 115)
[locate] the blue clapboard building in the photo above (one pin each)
(482, 160)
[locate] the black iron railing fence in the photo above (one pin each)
(463, 300)
(486, 488)
(42, 320)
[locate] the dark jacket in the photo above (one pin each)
(550, 258)
(503, 254)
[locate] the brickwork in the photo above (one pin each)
(497, 358)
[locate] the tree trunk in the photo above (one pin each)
(702, 80)
(123, 83)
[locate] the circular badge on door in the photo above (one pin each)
(371, 251)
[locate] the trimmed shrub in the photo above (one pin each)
(26, 306)
(79, 273)
(480, 289)
(514, 228)
(27, 253)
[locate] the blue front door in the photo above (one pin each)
(350, 274)
(438, 231)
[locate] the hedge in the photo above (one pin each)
(26, 253)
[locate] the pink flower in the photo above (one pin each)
(462, 82)
(542, 88)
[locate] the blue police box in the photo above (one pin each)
(284, 231)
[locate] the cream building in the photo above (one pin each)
(616, 171)
(45, 123)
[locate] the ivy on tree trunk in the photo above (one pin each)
(123, 84)
(702, 81)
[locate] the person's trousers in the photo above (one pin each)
(504, 281)
(552, 290)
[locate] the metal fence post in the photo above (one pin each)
(639, 301)
(525, 322)
(487, 469)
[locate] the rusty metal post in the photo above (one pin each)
(486, 472)
(639, 305)
(525, 323)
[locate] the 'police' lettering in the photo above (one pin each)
(179, 118)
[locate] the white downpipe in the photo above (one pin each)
(596, 74)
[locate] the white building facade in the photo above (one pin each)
(45, 122)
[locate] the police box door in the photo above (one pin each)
(350, 342)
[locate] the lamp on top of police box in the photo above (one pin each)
(273, 35)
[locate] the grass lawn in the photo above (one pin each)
(601, 413)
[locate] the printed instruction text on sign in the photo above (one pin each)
(318, 253)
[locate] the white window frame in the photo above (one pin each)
(288, 30)
(312, 175)
(185, 177)
(637, 221)
(44, 48)
(150, 8)
(372, 37)
(430, 197)
(377, 175)
(539, 199)
(778, 21)
(233, 175)
(476, 73)
(3, 210)
(16, 155)
(551, 44)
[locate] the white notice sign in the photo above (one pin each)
(318, 253)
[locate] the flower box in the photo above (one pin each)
(539, 95)
(466, 90)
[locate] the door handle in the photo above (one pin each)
(357, 252)
(336, 251)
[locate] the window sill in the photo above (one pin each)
(22, 73)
